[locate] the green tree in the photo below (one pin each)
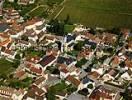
(67, 20)
(18, 56)
(24, 37)
(81, 62)
(79, 45)
(50, 95)
(56, 27)
(16, 63)
(90, 86)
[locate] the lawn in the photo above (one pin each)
(73, 53)
(69, 28)
(101, 13)
(30, 52)
(6, 67)
(60, 88)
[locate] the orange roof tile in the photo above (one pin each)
(73, 80)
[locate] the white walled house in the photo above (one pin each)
(9, 54)
(64, 73)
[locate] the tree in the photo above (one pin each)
(50, 95)
(18, 56)
(115, 31)
(84, 92)
(90, 86)
(88, 69)
(122, 64)
(79, 45)
(81, 62)
(56, 27)
(67, 20)
(44, 14)
(92, 31)
(16, 63)
(24, 37)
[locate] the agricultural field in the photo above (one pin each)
(98, 13)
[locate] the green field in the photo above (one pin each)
(6, 67)
(100, 13)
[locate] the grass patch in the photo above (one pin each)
(6, 67)
(30, 52)
(62, 87)
(69, 28)
(15, 83)
(73, 53)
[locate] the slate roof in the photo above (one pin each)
(63, 60)
(3, 27)
(90, 43)
(70, 38)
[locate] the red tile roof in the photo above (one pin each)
(6, 39)
(73, 80)
(39, 80)
(116, 60)
(101, 93)
(64, 70)
(128, 63)
(33, 68)
(94, 74)
(20, 73)
(46, 60)
(36, 70)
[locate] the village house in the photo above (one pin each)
(34, 69)
(102, 93)
(41, 36)
(129, 64)
(23, 45)
(85, 53)
(4, 26)
(39, 82)
(76, 96)
(47, 61)
(1, 12)
(51, 80)
(68, 61)
(26, 2)
(69, 42)
(31, 24)
(11, 93)
(10, 54)
(16, 30)
(21, 74)
(34, 93)
(111, 75)
(115, 62)
(4, 40)
(93, 75)
(61, 95)
(109, 38)
(11, 14)
(64, 73)
(126, 76)
(77, 83)
(33, 60)
(32, 36)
